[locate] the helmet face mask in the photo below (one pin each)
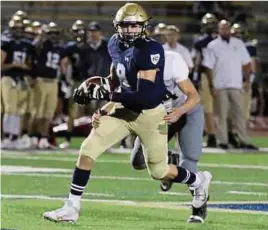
(78, 31)
(129, 32)
(16, 27)
(130, 23)
(53, 36)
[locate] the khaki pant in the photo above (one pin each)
(205, 95)
(247, 104)
(229, 102)
(14, 97)
(149, 126)
(47, 91)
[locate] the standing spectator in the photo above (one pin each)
(225, 59)
(97, 60)
(172, 43)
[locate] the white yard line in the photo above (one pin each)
(165, 205)
(128, 178)
(69, 159)
(175, 193)
(98, 194)
(248, 193)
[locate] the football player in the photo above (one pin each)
(209, 28)
(32, 32)
(52, 59)
(182, 95)
(76, 52)
(16, 60)
(139, 63)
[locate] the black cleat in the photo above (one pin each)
(233, 140)
(165, 185)
(198, 215)
(212, 142)
(247, 146)
(223, 146)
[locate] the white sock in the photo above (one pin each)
(7, 122)
(75, 199)
(15, 125)
(197, 182)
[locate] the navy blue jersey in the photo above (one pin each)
(18, 52)
(200, 45)
(251, 47)
(48, 60)
(76, 55)
(146, 54)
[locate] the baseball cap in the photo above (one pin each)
(94, 26)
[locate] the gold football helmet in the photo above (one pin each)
(238, 30)
(21, 14)
(130, 15)
(37, 27)
(52, 32)
(78, 30)
(16, 26)
(209, 23)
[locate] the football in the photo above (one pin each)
(98, 80)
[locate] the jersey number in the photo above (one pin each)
(19, 57)
(53, 60)
(121, 71)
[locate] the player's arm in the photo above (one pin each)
(5, 66)
(145, 94)
(149, 62)
(65, 66)
(180, 73)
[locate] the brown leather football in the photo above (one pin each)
(97, 80)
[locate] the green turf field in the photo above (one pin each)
(118, 197)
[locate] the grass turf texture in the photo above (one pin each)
(26, 214)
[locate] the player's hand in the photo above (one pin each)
(173, 116)
(99, 92)
(96, 119)
(81, 97)
(22, 66)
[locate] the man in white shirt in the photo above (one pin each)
(172, 44)
(227, 59)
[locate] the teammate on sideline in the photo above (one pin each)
(139, 63)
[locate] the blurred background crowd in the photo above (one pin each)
(49, 48)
